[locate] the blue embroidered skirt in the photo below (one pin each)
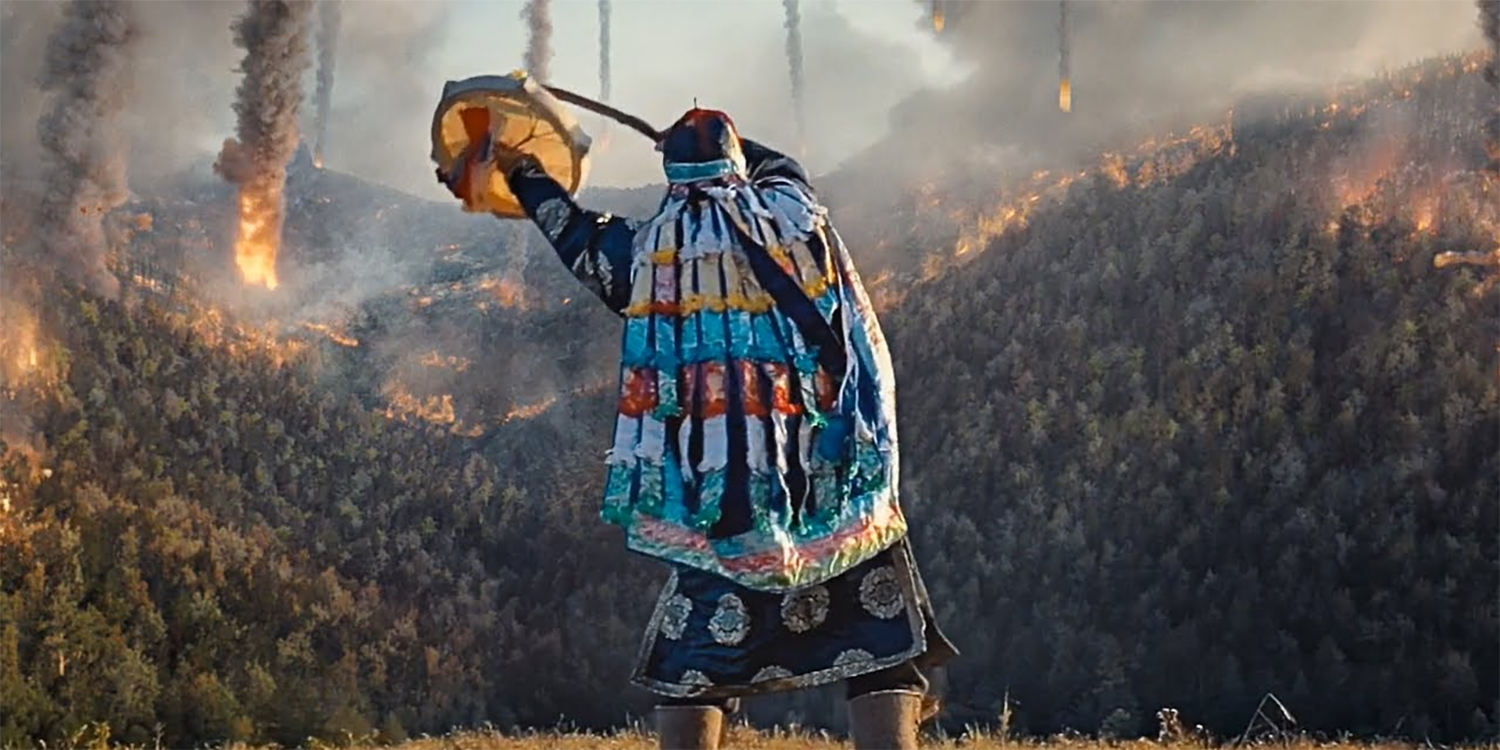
(711, 638)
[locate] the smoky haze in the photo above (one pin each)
(330, 14)
(85, 72)
(1135, 66)
(1142, 67)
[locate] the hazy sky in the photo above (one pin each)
(728, 53)
(992, 74)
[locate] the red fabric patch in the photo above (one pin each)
(755, 401)
(638, 392)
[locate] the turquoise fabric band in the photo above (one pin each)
(694, 172)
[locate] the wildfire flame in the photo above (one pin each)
(333, 335)
(260, 235)
(508, 292)
(529, 410)
(457, 364)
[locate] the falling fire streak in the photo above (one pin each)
(260, 234)
(1064, 60)
(937, 16)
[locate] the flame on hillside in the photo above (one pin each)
(456, 364)
(437, 410)
(243, 339)
(260, 234)
(508, 292)
(333, 335)
(529, 410)
(1152, 162)
(1383, 179)
(536, 408)
(21, 358)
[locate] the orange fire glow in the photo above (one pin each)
(333, 335)
(457, 364)
(260, 234)
(508, 292)
(1065, 95)
(529, 410)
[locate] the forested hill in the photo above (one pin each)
(1172, 437)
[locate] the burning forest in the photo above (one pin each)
(273, 34)
(298, 407)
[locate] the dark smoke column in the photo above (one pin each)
(87, 71)
(603, 142)
(273, 34)
(794, 64)
(604, 50)
(538, 17)
(330, 17)
(1489, 25)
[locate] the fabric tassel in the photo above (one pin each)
(715, 445)
(755, 444)
(627, 433)
(652, 445)
(650, 498)
(674, 507)
(617, 494)
(710, 501)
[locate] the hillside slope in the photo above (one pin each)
(1177, 431)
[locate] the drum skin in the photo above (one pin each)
(523, 116)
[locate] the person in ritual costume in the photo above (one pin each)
(755, 442)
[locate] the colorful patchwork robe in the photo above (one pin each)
(756, 428)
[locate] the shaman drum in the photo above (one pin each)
(515, 112)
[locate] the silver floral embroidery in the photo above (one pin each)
(880, 594)
(731, 622)
(804, 609)
(772, 672)
(674, 616)
(853, 656)
(694, 677)
(552, 216)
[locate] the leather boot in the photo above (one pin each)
(885, 720)
(690, 727)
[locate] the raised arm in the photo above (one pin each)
(595, 246)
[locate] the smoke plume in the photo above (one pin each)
(1489, 25)
(273, 34)
(86, 69)
(538, 17)
(1157, 66)
(794, 63)
(1064, 65)
(603, 50)
(330, 17)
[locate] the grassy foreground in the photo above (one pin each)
(779, 739)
